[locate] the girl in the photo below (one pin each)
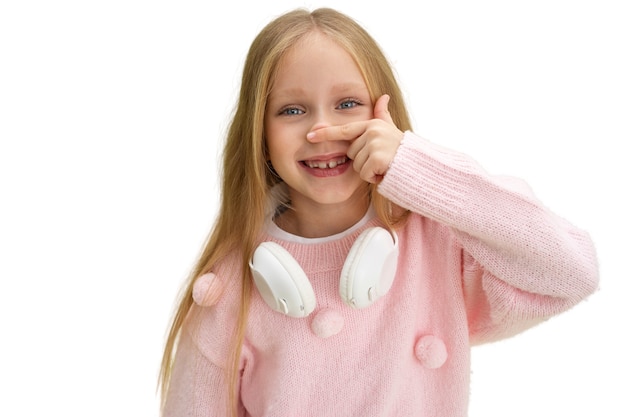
(354, 263)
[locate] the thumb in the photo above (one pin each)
(381, 109)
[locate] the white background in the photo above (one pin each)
(111, 120)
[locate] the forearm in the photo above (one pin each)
(498, 221)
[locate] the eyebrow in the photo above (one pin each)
(338, 88)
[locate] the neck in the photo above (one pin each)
(321, 220)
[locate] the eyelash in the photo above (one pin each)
(355, 103)
(286, 111)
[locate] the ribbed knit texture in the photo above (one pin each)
(480, 260)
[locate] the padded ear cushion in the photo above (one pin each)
(370, 267)
(281, 281)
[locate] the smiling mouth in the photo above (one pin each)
(329, 164)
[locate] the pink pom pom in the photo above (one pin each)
(431, 351)
(327, 323)
(207, 290)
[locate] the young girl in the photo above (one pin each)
(354, 263)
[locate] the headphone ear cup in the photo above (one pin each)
(282, 283)
(370, 267)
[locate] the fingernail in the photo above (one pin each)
(310, 135)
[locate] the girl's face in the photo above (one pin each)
(317, 85)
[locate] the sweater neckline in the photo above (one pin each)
(276, 232)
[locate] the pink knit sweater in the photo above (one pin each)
(480, 260)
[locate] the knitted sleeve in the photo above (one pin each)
(521, 262)
(199, 381)
(198, 387)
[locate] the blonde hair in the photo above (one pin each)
(247, 178)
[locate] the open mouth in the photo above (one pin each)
(329, 164)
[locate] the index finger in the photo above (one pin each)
(348, 132)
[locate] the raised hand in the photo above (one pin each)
(374, 141)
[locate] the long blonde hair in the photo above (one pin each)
(246, 177)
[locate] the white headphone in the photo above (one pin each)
(367, 274)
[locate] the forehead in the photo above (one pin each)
(313, 46)
(316, 58)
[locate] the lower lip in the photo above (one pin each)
(327, 172)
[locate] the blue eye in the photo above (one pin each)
(348, 104)
(291, 111)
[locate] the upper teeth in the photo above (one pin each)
(326, 164)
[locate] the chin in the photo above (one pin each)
(328, 197)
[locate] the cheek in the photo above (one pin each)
(278, 151)
(282, 139)
(270, 141)
(272, 144)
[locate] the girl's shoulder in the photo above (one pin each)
(213, 316)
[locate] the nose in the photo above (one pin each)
(322, 119)
(320, 124)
